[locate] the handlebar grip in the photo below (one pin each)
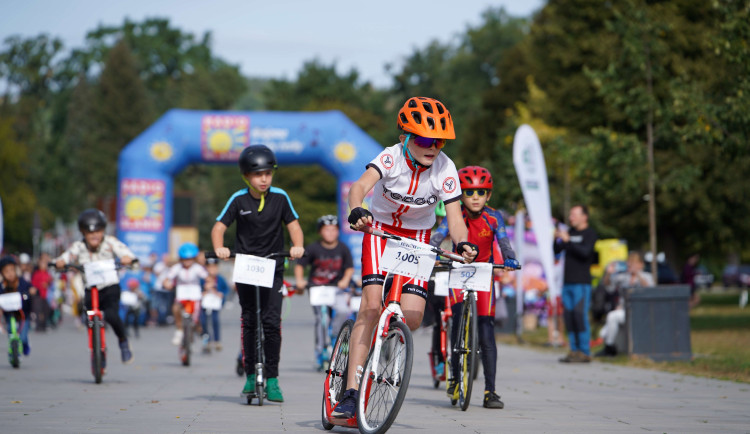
(209, 254)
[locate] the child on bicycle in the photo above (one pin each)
(486, 226)
(96, 246)
(330, 265)
(186, 272)
(409, 179)
(260, 211)
(213, 285)
(12, 282)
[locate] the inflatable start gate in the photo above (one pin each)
(149, 163)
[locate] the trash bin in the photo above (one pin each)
(508, 324)
(658, 322)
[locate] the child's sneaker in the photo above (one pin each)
(491, 400)
(127, 355)
(26, 349)
(452, 389)
(217, 346)
(347, 407)
(177, 339)
(273, 391)
(249, 385)
(206, 343)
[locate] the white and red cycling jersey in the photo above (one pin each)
(403, 203)
(405, 196)
(187, 276)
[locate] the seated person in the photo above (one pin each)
(635, 277)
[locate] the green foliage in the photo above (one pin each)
(16, 193)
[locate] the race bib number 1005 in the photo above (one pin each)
(408, 258)
(254, 270)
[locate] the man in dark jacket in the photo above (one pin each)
(578, 244)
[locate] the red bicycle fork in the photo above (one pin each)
(95, 312)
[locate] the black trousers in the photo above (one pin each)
(270, 314)
(109, 303)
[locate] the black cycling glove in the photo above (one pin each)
(460, 247)
(357, 213)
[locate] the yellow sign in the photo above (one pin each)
(345, 152)
(161, 151)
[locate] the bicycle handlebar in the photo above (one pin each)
(437, 250)
(212, 255)
(79, 267)
(442, 265)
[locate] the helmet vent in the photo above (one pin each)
(430, 122)
(412, 103)
(442, 123)
(403, 118)
(417, 117)
(427, 107)
(440, 108)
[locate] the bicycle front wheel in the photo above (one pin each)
(335, 382)
(467, 348)
(187, 340)
(96, 348)
(385, 379)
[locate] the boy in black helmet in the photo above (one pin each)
(330, 264)
(96, 246)
(259, 211)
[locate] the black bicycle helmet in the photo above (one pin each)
(6, 260)
(328, 220)
(92, 220)
(256, 158)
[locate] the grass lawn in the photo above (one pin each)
(720, 340)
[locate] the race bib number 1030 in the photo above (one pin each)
(254, 270)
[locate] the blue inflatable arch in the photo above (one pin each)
(149, 163)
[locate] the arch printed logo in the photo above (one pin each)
(142, 205)
(387, 161)
(449, 185)
(223, 137)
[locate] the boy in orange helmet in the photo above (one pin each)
(409, 179)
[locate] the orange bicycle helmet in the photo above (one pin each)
(475, 178)
(426, 117)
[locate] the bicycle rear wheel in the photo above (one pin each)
(383, 388)
(467, 347)
(335, 382)
(96, 348)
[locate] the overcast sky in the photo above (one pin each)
(273, 38)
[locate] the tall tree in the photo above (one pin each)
(122, 111)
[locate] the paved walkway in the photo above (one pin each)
(53, 391)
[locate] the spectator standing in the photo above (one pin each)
(42, 281)
(578, 244)
(688, 276)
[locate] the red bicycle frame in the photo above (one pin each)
(95, 312)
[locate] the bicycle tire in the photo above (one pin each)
(15, 360)
(377, 408)
(187, 339)
(334, 385)
(259, 391)
(96, 348)
(467, 341)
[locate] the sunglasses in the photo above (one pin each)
(470, 193)
(426, 142)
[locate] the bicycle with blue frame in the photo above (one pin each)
(11, 303)
(323, 297)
